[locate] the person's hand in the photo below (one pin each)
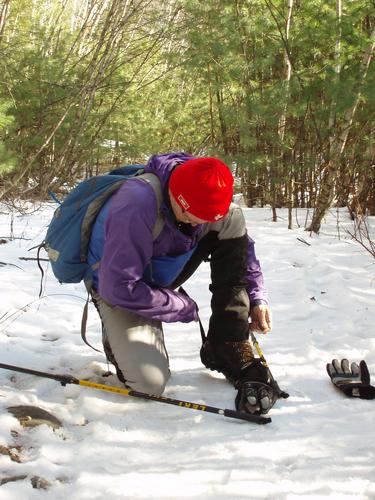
(261, 320)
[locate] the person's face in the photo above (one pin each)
(184, 216)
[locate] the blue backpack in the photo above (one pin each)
(68, 235)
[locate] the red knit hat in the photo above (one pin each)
(203, 187)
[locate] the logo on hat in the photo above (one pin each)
(185, 205)
(218, 216)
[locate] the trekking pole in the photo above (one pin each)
(68, 379)
(283, 394)
(259, 351)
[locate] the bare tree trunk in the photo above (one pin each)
(223, 125)
(4, 7)
(288, 75)
(282, 123)
(284, 35)
(210, 104)
(326, 193)
(332, 116)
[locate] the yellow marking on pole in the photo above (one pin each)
(259, 350)
(194, 406)
(109, 388)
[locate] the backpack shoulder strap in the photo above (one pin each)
(154, 182)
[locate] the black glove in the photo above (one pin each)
(354, 381)
(257, 392)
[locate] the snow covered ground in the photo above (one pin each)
(319, 445)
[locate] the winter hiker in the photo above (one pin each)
(134, 289)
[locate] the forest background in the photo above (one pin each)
(282, 90)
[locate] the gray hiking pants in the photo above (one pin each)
(135, 346)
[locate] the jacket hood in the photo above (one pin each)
(162, 165)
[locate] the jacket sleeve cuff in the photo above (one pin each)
(258, 302)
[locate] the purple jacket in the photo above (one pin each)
(129, 247)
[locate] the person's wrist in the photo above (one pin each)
(258, 302)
